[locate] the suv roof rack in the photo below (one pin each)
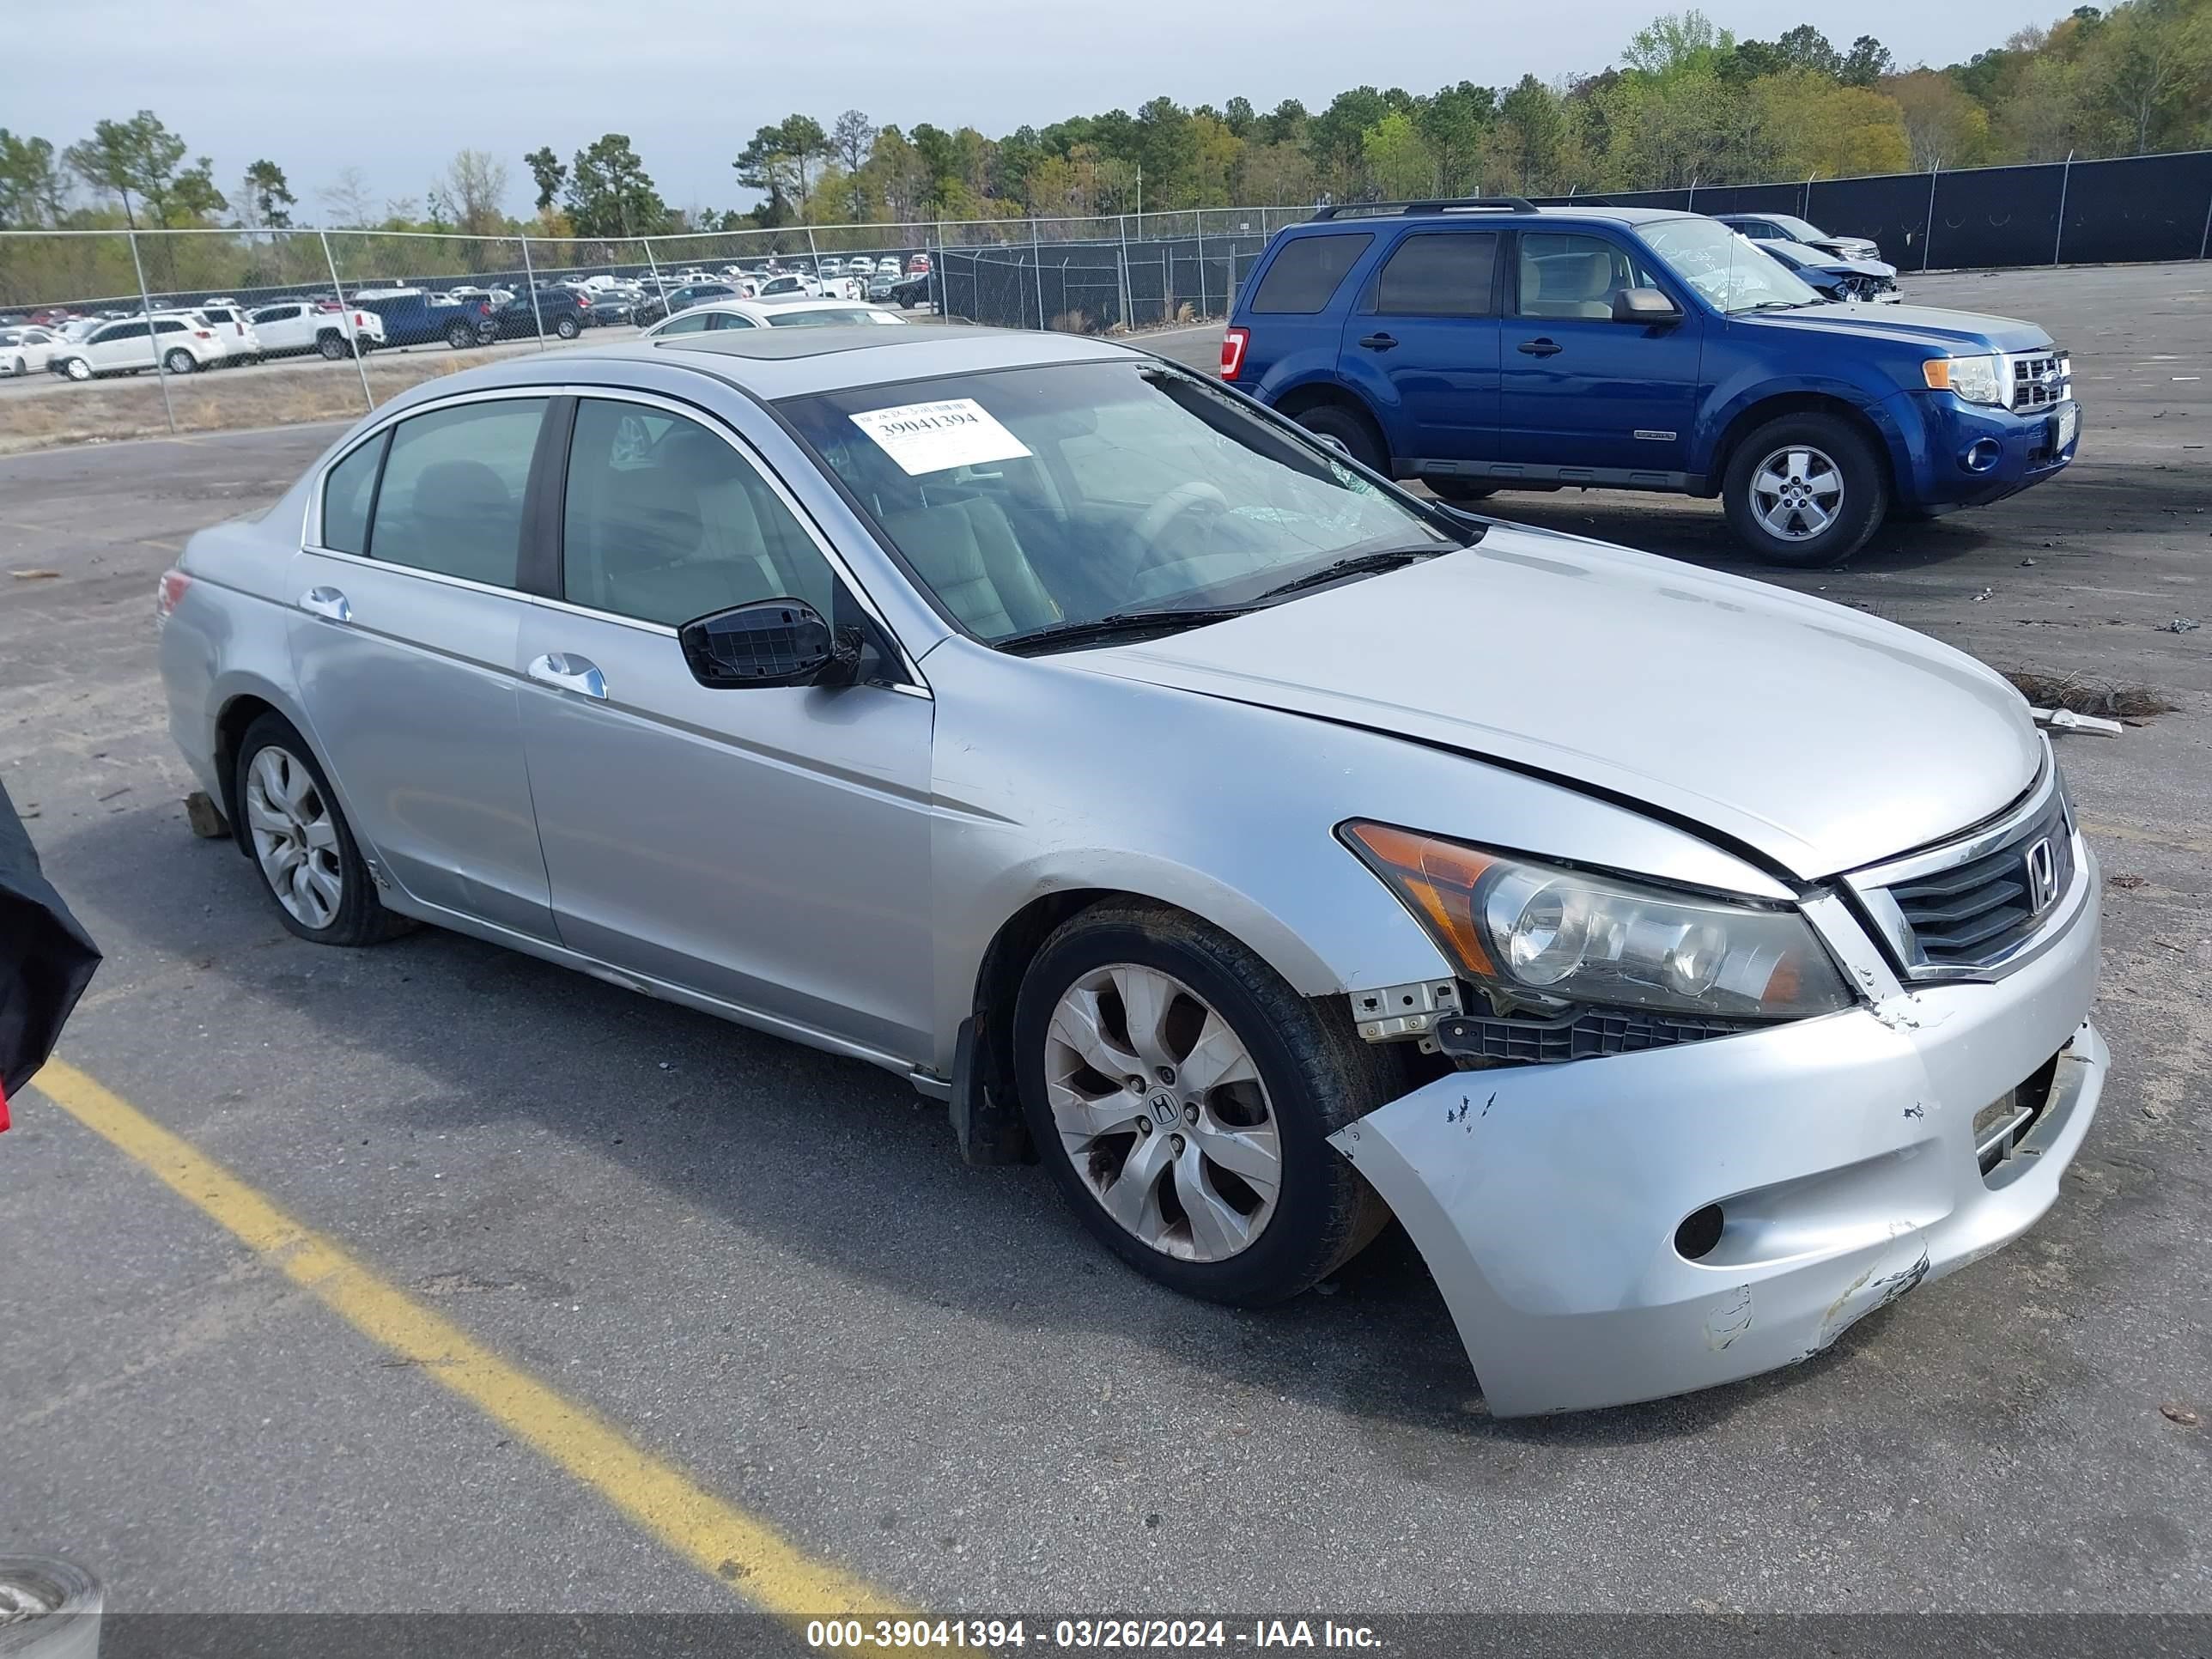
(1375, 210)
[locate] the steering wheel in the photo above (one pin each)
(1183, 498)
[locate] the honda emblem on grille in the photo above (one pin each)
(2042, 875)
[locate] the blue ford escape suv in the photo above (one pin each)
(1487, 344)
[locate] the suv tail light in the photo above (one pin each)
(167, 592)
(202, 334)
(1232, 351)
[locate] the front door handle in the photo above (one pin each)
(570, 673)
(1379, 341)
(327, 603)
(1541, 348)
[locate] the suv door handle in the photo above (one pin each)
(1541, 348)
(327, 603)
(570, 673)
(1379, 341)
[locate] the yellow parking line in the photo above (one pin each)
(745, 1553)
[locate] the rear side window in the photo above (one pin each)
(1449, 273)
(453, 492)
(1307, 270)
(347, 493)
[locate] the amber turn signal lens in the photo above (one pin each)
(1433, 879)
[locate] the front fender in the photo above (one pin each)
(1741, 395)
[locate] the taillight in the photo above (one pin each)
(167, 592)
(202, 334)
(1232, 351)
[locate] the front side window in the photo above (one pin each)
(1713, 259)
(453, 492)
(1075, 491)
(1563, 274)
(666, 521)
(1439, 274)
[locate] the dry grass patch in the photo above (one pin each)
(2089, 697)
(222, 400)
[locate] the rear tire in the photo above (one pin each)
(1335, 424)
(1460, 489)
(460, 335)
(180, 361)
(1799, 471)
(1305, 1074)
(289, 820)
(566, 328)
(331, 346)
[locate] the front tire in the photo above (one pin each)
(1335, 424)
(77, 369)
(290, 819)
(1182, 1095)
(1805, 491)
(1460, 489)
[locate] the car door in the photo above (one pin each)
(1582, 392)
(404, 651)
(121, 345)
(278, 327)
(1430, 327)
(766, 847)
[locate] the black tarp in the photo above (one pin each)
(1750, 198)
(1997, 216)
(2141, 208)
(1890, 210)
(46, 957)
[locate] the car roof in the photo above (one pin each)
(774, 363)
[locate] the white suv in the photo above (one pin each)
(239, 343)
(184, 342)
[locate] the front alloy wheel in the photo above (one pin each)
(1796, 492)
(1182, 1094)
(1805, 490)
(1161, 1113)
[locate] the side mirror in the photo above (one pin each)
(1647, 306)
(769, 642)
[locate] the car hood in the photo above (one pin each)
(1816, 736)
(1960, 333)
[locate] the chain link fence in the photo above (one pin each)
(157, 322)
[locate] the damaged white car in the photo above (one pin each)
(1268, 851)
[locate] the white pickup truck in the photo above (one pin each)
(295, 325)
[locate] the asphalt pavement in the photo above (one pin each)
(769, 1270)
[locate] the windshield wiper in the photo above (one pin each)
(1118, 625)
(1360, 564)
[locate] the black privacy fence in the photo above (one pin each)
(2136, 208)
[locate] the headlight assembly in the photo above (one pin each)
(1546, 936)
(1977, 379)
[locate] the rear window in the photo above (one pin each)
(1307, 270)
(1447, 273)
(822, 319)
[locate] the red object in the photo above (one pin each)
(1232, 351)
(170, 589)
(3, 1111)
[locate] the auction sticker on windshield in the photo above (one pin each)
(930, 437)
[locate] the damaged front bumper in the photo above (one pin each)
(1841, 1152)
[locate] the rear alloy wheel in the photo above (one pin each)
(1341, 429)
(180, 361)
(566, 328)
(305, 853)
(460, 335)
(1182, 1096)
(1805, 490)
(331, 346)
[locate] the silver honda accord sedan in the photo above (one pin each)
(1691, 968)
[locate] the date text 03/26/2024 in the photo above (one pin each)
(1162, 1635)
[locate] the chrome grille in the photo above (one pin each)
(2040, 380)
(1973, 914)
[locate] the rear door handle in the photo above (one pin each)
(1379, 341)
(1541, 348)
(327, 603)
(570, 673)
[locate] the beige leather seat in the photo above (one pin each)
(1571, 285)
(966, 551)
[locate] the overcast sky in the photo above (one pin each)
(396, 86)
